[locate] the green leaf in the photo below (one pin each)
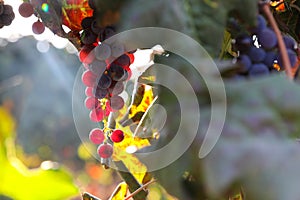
(207, 19)
(20, 183)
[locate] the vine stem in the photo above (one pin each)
(140, 189)
(282, 47)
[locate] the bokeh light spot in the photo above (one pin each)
(45, 7)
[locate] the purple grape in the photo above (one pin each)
(267, 38)
(106, 33)
(116, 72)
(243, 43)
(88, 37)
(256, 54)
(95, 27)
(261, 24)
(258, 69)
(104, 81)
(87, 22)
(116, 102)
(97, 67)
(100, 93)
(245, 61)
(269, 59)
(292, 57)
(290, 43)
(116, 88)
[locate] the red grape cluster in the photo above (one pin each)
(7, 14)
(257, 49)
(104, 140)
(107, 67)
(26, 10)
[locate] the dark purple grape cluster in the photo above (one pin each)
(257, 49)
(7, 14)
(107, 67)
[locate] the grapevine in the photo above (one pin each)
(119, 96)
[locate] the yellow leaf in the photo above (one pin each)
(146, 96)
(120, 192)
(7, 124)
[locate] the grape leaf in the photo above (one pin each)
(20, 183)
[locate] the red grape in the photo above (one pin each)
(38, 27)
(117, 136)
(85, 54)
(105, 150)
(88, 78)
(91, 103)
(97, 115)
(97, 136)
(89, 92)
(26, 9)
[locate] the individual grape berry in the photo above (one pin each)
(98, 67)
(96, 115)
(258, 69)
(100, 93)
(245, 63)
(267, 38)
(123, 61)
(26, 9)
(7, 10)
(242, 43)
(87, 22)
(102, 52)
(97, 136)
(106, 33)
(85, 54)
(118, 49)
(261, 24)
(116, 102)
(104, 81)
(88, 78)
(38, 27)
(91, 103)
(269, 59)
(256, 54)
(292, 57)
(6, 20)
(95, 27)
(290, 43)
(117, 136)
(89, 92)
(105, 150)
(88, 37)
(116, 88)
(116, 72)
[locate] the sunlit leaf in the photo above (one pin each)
(50, 181)
(120, 192)
(74, 11)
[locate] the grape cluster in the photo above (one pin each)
(7, 14)
(107, 68)
(258, 52)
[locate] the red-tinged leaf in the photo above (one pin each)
(73, 12)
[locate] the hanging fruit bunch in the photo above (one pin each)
(6, 14)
